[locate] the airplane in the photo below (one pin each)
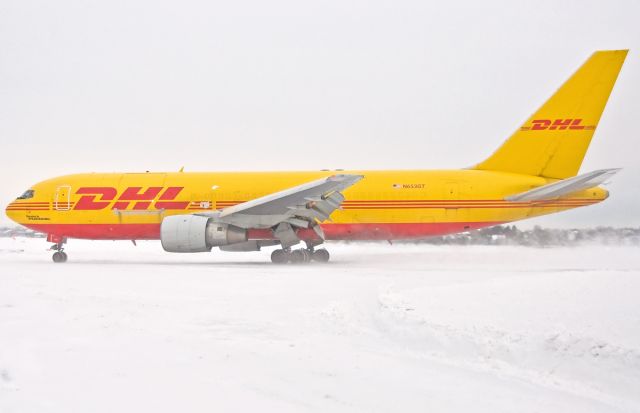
(535, 172)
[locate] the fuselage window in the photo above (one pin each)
(28, 194)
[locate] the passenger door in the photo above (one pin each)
(62, 199)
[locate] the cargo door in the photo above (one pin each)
(452, 198)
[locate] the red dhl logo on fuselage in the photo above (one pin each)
(101, 197)
(557, 124)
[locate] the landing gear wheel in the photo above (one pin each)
(59, 256)
(297, 256)
(279, 257)
(300, 256)
(321, 255)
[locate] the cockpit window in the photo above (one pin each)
(28, 194)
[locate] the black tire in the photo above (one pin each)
(321, 255)
(64, 256)
(279, 257)
(59, 257)
(297, 256)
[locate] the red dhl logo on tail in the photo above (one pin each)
(557, 124)
(101, 197)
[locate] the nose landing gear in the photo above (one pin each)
(59, 255)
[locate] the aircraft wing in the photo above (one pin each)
(301, 206)
(565, 186)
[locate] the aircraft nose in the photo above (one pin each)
(11, 212)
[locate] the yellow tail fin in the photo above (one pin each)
(553, 141)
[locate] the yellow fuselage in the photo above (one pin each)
(384, 205)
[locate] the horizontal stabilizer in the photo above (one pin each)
(565, 186)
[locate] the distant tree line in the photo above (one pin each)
(541, 237)
(12, 232)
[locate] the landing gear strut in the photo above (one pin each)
(59, 255)
(299, 256)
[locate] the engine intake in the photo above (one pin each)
(195, 233)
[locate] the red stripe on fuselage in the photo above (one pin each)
(438, 204)
(380, 231)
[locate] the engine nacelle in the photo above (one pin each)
(195, 233)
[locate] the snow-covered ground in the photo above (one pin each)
(382, 328)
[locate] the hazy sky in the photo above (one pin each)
(254, 85)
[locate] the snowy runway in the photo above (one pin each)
(381, 328)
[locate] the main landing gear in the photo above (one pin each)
(299, 256)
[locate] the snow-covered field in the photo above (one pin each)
(392, 328)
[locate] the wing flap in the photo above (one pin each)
(302, 206)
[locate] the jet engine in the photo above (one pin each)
(195, 233)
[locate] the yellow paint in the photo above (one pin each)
(460, 185)
(559, 153)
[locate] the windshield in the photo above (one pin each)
(28, 194)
